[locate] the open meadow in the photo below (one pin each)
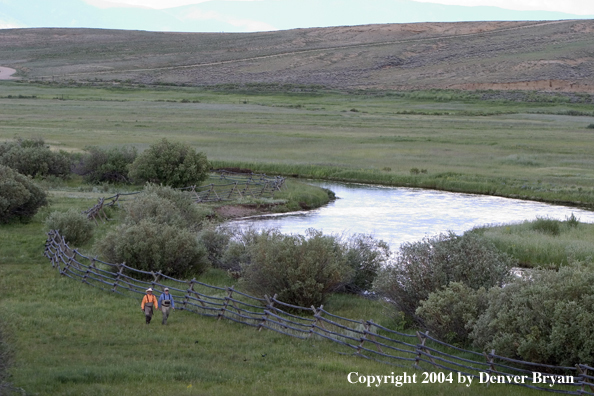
(71, 339)
(539, 148)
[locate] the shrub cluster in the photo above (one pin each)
(427, 266)
(32, 157)
(20, 197)
(451, 312)
(72, 225)
(546, 318)
(158, 234)
(171, 164)
(107, 166)
(301, 270)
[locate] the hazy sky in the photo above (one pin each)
(579, 7)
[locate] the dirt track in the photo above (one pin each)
(6, 73)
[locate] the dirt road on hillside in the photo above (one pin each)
(6, 73)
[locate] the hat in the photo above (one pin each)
(166, 289)
(149, 290)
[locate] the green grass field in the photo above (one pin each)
(442, 140)
(71, 339)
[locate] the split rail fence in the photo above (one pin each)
(231, 186)
(363, 338)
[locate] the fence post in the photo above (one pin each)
(364, 338)
(368, 325)
(490, 357)
(583, 372)
(421, 348)
(269, 306)
(92, 265)
(120, 270)
(227, 299)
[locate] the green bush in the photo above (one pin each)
(32, 157)
(365, 255)
(546, 317)
(450, 313)
(150, 246)
(72, 225)
(107, 166)
(427, 266)
(216, 242)
(171, 164)
(20, 197)
(301, 270)
(165, 205)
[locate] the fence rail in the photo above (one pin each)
(363, 338)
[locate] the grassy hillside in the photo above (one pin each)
(467, 55)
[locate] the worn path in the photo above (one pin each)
(6, 73)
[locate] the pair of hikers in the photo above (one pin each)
(149, 301)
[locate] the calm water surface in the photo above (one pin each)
(398, 215)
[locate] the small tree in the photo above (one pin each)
(20, 197)
(109, 166)
(171, 164)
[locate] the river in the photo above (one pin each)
(397, 214)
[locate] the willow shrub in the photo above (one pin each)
(20, 197)
(426, 266)
(107, 166)
(301, 270)
(150, 246)
(171, 164)
(450, 313)
(547, 317)
(165, 205)
(72, 225)
(32, 157)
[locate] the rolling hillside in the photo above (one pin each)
(556, 56)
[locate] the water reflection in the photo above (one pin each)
(399, 215)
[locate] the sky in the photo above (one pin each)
(578, 7)
(271, 15)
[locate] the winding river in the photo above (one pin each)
(397, 215)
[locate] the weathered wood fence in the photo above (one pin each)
(363, 338)
(231, 186)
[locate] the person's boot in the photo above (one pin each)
(148, 319)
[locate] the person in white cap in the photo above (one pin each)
(148, 301)
(167, 304)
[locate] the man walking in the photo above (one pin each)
(148, 301)
(167, 303)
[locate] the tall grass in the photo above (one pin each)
(544, 242)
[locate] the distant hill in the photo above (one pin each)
(549, 55)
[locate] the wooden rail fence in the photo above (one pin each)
(363, 338)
